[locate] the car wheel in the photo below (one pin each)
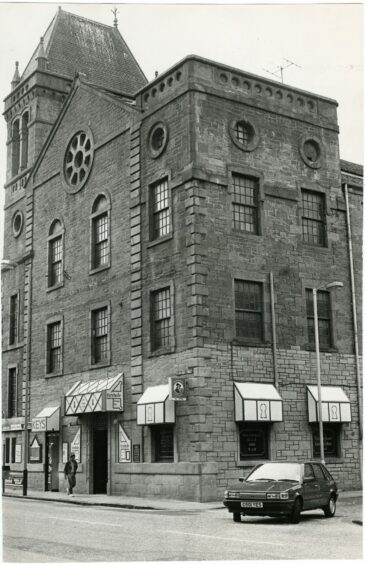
(330, 508)
(294, 517)
(237, 517)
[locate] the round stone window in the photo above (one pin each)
(311, 151)
(244, 134)
(78, 160)
(157, 139)
(17, 223)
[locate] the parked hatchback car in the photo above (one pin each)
(284, 489)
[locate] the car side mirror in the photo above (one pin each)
(242, 479)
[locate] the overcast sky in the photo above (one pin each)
(324, 41)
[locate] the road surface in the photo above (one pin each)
(41, 531)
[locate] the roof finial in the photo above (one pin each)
(115, 12)
(16, 77)
(41, 57)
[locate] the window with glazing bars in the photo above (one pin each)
(243, 133)
(12, 392)
(14, 320)
(160, 211)
(54, 347)
(249, 310)
(161, 318)
(245, 203)
(313, 219)
(55, 261)
(100, 336)
(324, 318)
(100, 240)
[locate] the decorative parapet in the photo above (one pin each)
(204, 75)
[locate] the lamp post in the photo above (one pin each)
(329, 286)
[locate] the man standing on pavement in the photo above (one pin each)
(70, 473)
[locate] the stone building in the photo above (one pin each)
(162, 243)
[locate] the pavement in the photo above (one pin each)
(129, 502)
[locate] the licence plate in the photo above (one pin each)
(257, 504)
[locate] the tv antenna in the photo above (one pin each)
(279, 71)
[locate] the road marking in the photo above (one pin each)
(122, 525)
(224, 538)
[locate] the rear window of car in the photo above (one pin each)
(326, 473)
(318, 472)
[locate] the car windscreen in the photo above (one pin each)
(276, 472)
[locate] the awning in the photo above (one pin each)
(154, 406)
(335, 404)
(47, 420)
(257, 402)
(97, 395)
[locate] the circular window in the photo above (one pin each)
(311, 151)
(157, 139)
(244, 134)
(78, 160)
(17, 223)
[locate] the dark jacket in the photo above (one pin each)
(70, 467)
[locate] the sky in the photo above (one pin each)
(321, 46)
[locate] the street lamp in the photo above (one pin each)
(329, 286)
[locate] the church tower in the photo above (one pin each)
(70, 46)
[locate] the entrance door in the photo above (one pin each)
(52, 461)
(100, 462)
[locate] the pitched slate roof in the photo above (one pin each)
(75, 44)
(352, 168)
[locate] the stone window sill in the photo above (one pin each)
(99, 269)
(55, 287)
(160, 240)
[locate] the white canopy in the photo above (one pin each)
(154, 406)
(335, 404)
(257, 402)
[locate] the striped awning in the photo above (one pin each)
(257, 402)
(335, 404)
(94, 396)
(154, 406)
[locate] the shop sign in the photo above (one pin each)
(136, 453)
(35, 451)
(65, 452)
(114, 397)
(124, 446)
(76, 446)
(39, 424)
(178, 388)
(18, 453)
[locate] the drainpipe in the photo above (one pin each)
(273, 327)
(354, 317)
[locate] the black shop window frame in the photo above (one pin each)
(162, 443)
(253, 441)
(331, 440)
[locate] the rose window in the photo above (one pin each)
(78, 160)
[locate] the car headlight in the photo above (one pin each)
(281, 495)
(226, 494)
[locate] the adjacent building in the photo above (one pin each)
(162, 243)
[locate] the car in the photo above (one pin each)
(283, 489)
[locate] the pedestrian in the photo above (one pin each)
(70, 473)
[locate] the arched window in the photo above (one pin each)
(55, 254)
(24, 140)
(100, 237)
(15, 160)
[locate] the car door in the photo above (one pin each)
(324, 485)
(311, 489)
